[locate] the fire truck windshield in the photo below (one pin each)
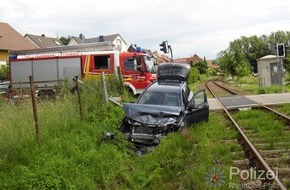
(149, 63)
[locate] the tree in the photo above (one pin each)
(193, 75)
(278, 37)
(286, 63)
(281, 37)
(241, 56)
(234, 62)
(65, 40)
(252, 48)
(201, 66)
(224, 60)
(4, 72)
(257, 48)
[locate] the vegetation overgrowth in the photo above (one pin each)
(71, 154)
(240, 58)
(271, 129)
(250, 85)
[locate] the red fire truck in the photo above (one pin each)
(136, 68)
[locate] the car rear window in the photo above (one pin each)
(160, 98)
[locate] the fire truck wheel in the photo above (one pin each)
(129, 90)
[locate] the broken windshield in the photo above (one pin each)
(160, 98)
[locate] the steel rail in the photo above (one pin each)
(250, 145)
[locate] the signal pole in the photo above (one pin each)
(282, 74)
(281, 52)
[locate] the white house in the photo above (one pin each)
(116, 39)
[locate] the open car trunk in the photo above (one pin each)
(173, 71)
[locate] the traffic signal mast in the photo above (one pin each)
(165, 48)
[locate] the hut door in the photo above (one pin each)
(274, 74)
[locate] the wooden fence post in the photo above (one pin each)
(105, 88)
(79, 97)
(32, 94)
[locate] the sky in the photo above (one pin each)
(202, 27)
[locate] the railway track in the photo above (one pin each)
(266, 156)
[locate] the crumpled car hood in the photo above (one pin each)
(151, 114)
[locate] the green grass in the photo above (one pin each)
(271, 89)
(70, 155)
(250, 85)
(266, 125)
(285, 108)
(211, 150)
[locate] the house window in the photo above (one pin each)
(119, 44)
(57, 42)
(102, 62)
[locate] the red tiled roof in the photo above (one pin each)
(193, 59)
(190, 60)
(180, 60)
(211, 65)
(10, 39)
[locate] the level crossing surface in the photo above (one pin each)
(237, 101)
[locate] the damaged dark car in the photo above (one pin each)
(167, 105)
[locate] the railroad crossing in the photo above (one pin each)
(256, 159)
(236, 101)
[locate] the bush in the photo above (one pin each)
(261, 91)
(193, 76)
(247, 80)
(4, 72)
(270, 89)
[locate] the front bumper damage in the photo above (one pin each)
(146, 125)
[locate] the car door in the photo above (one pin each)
(197, 109)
